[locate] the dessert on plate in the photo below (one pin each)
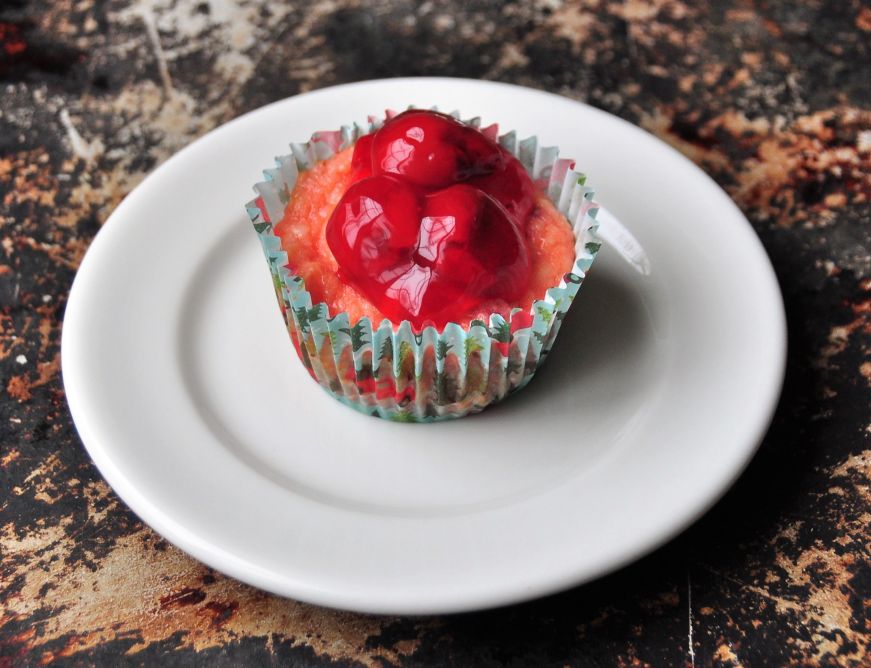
(423, 264)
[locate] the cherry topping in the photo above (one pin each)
(511, 186)
(374, 228)
(361, 160)
(473, 243)
(434, 222)
(432, 150)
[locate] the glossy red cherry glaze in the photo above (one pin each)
(433, 150)
(434, 223)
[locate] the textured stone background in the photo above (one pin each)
(772, 98)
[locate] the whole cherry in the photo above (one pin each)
(432, 150)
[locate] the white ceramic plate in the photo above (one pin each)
(187, 393)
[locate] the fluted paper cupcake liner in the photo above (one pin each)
(387, 369)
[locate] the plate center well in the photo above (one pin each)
(243, 376)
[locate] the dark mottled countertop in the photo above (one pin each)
(772, 98)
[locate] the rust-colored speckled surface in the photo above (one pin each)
(772, 98)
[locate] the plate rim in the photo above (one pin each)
(245, 571)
